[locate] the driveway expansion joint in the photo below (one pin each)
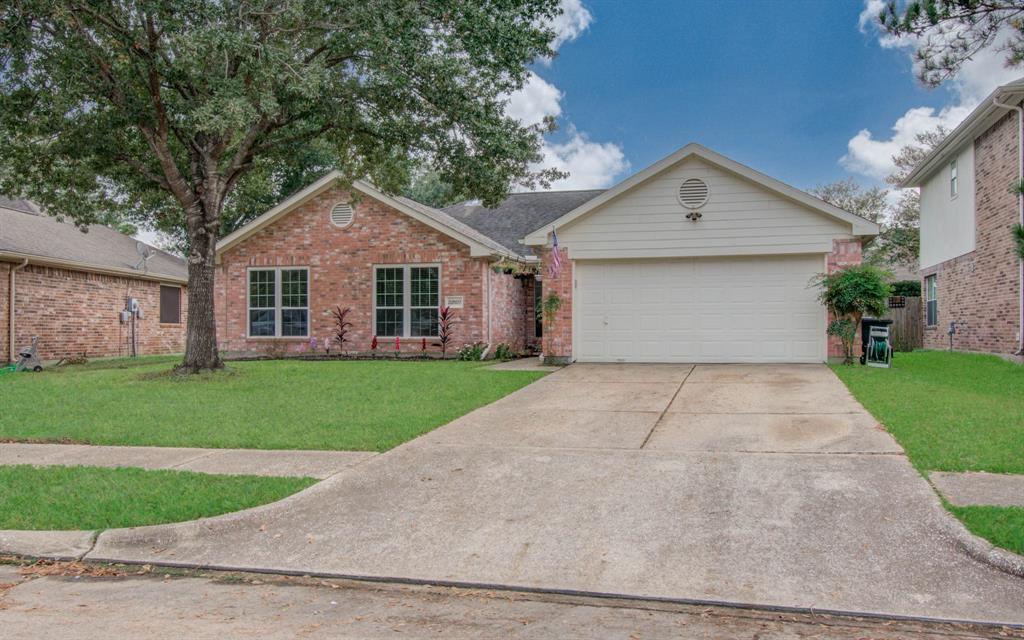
(667, 406)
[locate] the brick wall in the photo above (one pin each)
(76, 313)
(845, 253)
(557, 342)
(508, 309)
(981, 290)
(341, 265)
(5, 270)
(530, 316)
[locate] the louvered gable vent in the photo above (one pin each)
(693, 193)
(341, 214)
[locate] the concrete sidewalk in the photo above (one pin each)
(978, 488)
(257, 462)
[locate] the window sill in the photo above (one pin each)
(279, 338)
(390, 339)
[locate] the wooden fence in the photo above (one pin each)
(907, 331)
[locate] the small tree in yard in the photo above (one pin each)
(850, 294)
(179, 113)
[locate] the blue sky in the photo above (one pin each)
(784, 87)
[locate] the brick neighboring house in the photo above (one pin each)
(694, 259)
(68, 288)
(970, 273)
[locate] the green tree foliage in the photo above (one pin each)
(866, 202)
(428, 187)
(951, 32)
(185, 112)
(850, 294)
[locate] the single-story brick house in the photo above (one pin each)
(970, 273)
(70, 288)
(697, 258)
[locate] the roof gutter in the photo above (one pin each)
(10, 308)
(92, 268)
(1020, 216)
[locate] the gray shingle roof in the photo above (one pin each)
(30, 233)
(519, 214)
(441, 216)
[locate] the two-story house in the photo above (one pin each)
(971, 277)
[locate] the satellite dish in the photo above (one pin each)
(146, 252)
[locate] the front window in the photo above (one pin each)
(406, 301)
(953, 186)
(279, 303)
(931, 301)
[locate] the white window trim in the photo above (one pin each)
(277, 303)
(928, 300)
(406, 298)
(954, 179)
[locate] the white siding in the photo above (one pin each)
(947, 223)
(740, 218)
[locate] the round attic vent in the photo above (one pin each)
(341, 214)
(693, 193)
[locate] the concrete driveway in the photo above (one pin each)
(749, 484)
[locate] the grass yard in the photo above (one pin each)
(1002, 526)
(47, 498)
(279, 404)
(953, 412)
(950, 411)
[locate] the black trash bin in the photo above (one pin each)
(865, 330)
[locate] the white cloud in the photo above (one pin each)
(591, 165)
(573, 21)
(538, 98)
(871, 156)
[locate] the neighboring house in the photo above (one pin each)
(970, 272)
(694, 259)
(69, 289)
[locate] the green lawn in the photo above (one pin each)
(1002, 526)
(953, 412)
(44, 498)
(950, 411)
(281, 404)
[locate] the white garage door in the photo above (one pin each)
(757, 309)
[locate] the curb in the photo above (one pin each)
(978, 548)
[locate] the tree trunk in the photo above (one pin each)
(201, 331)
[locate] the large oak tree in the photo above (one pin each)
(183, 113)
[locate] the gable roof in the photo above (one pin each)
(25, 233)
(978, 121)
(479, 244)
(519, 214)
(860, 226)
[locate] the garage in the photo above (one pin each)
(696, 258)
(737, 309)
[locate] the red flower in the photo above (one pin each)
(398, 343)
(373, 344)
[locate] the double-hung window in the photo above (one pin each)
(279, 303)
(406, 301)
(931, 301)
(953, 186)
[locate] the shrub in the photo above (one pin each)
(850, 294)
(341, 326)
(504, 352)
(472, 352)
(445, 329)
(910, 288)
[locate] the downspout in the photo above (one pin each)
(10, 309)
(1020, 217)
(487, 349)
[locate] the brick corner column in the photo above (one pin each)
(845, 253)
(557, 341)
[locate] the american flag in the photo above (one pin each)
(556, 258)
